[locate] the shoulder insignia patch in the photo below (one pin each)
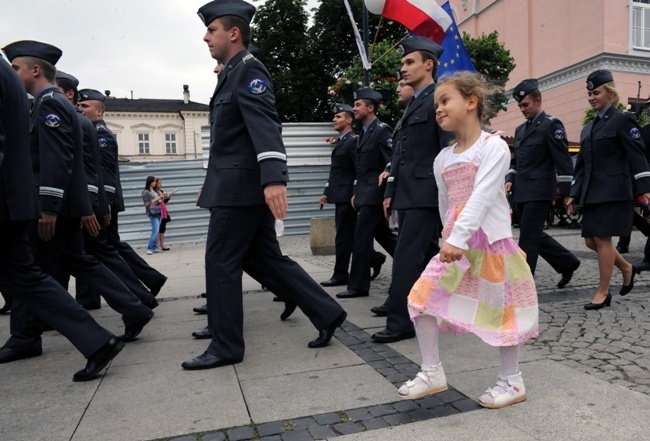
(389, 142)
(102, 142)
(257, 87)
(52, 120)
(558, 134)
(635, 133)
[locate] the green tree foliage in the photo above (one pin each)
(493, 60)
(279, 28)
(591, 114)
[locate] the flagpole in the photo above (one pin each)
(381, 18)
(366, 75)
(390, 49)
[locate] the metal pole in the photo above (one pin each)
(638, 101)
(366, 74)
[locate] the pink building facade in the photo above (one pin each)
(560, 42)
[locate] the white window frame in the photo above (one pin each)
(171, 145)
(640, 35)
(144, 145)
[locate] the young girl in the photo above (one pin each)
(480, 281)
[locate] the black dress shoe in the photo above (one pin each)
(625, 289)
(6, 309)
(99, 360)
(381, 311)
(8, 354)
(208, 361)
(91, 307)
(289, 307)
(388, 336)
(621, 249)
(131, 332)
(334, 282)
(202, 334)
(325, 335)
(155, 289)
(566, 277)
(376, 266)
(277, 299)
(203, 309)
(351, 293)
(204, 295)
(152, 304)
(606, 302)
(643, 266)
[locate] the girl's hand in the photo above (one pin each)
(450, 253)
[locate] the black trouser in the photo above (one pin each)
(239, 233)
(371, 224)
(417, 243)
(38, 294)
(147, 275)
(100, 248)
(535, 242)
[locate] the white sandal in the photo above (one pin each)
(515, 392)
(432, 380)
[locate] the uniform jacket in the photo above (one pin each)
(340, 185)
(92, 166)
(246, 148)
(417, 141)
(56, 141)
(18, 194)
(373, 152)
(110, 165)
(541, 161)
(611, 160)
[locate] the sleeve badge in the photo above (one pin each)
(257, 87)
(102, 142)
(635, 133)
(558, 134)
(52, 120)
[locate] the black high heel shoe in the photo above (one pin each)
(625, 289)
(606, 302)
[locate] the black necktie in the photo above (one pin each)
(528, 123)
(596, 119)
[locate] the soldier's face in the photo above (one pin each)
(361, 110)
(24, 71)
(91, 109)
(217, 39)
(415, 71)
(341, 120)
(404, 93)
(530, 106)
(599, 98)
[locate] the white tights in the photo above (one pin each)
(426, 328)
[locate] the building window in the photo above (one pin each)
(143, 144)
(170, 143)
(641, 24)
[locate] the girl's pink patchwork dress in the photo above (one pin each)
(489, 292)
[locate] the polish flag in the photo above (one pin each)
(422, 17)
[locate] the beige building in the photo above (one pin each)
(157, 129)
(560, 42)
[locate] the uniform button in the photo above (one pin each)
(401, 163)
(236, 164)
(403, 151)
(284, 172)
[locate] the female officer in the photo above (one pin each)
(611, 165)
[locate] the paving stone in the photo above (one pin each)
(273, 428)
(450, 395)
(303, 423)
(380, 364)
(466, 405)
(381, 410)
(375, 423)
(347, 428)
(398, 360)
(397, 419)
(429, 402)
(241, 433)
(358, 414)
(215, 436)
(184, 438)
(322, 432)
(297, 435)
(422, 414)
(406, 406)
(327, 418)
(387, 371)
(271, 438)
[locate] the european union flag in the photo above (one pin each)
(455, 56)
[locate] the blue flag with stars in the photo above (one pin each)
(454, 57)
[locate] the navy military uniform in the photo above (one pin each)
(412, 188)
(374, 150)
(610, 168)
(540, 167)
(53, 131)
(246, 154)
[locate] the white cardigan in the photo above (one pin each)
(487, 207)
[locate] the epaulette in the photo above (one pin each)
(248, 57)
(550, 117)
(383, 125)
(49, 96)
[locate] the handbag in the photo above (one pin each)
(154, 210)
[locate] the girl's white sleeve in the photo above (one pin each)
(495, 160)
(443, 199)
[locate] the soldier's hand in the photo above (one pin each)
(387, 203)
(382, 178)
(322, 201)
(91, 225)
(569, 206)
(508, 187)
(646, 196)
(450, 253)
(352, 203)
(46, 226)
(276, 198)
(108, 217)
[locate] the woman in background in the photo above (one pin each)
(165, 218)
(152, 207)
